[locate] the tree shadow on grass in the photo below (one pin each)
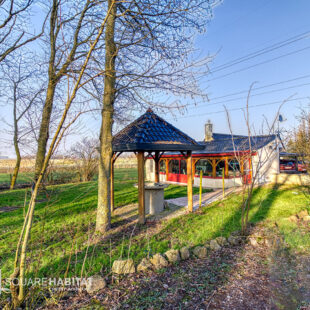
(100, 253)
(214, 271)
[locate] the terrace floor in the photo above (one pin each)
(206, 198)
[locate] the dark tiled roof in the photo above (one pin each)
(226, 143)
(151, 132)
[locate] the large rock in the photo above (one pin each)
(214, 245)
(185, 254)
(200, 251)
(123, 266)
(302, 214)
(233, 240)
(144, 265)
(95, 283)
(221, 241)
(159, 261)
(173, 256)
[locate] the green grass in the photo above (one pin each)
(56, 177)
(23, 177)
(63, 222)
(221, 218)
(66, 213)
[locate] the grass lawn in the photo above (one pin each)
(66, 218)
(24, 177)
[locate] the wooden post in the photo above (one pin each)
(167, 169)
(156, 160)
(223, 178)
(200, 189)
(213, 168)
(112, 183)
(194, 168)
(226, 167)
(141, 198)
(189, 181)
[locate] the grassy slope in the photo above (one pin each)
(62, 224)
(66, 214)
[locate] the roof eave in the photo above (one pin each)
(148, 147)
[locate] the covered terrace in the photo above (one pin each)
(152, 136)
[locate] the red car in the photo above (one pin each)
(289, 165)
(302, 167)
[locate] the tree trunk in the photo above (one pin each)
(104, 182)
(17, 164)
(50, 93)
(15, 140)
(44, 128)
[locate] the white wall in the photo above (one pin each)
(267, 161)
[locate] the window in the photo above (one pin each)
(219, 168)
(183, 166)
(162, 166)
(234, 168)
(174, 166)
(205, 166)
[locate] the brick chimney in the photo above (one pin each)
(208, 131)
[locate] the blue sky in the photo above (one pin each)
(240, 27)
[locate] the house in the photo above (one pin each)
(228, 158)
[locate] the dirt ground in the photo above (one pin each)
(264, 276)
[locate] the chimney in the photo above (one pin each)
(208, 131)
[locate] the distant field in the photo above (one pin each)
(27, 165)
(62, 169)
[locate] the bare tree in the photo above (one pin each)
(21, 88)
(18, 291)
(13, 31)
(255, 159)
(299, 142)
(148, 54)
(86, 154)
(72, 25)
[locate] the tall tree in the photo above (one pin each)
(148, 53)
(18, 290)
(104, 197)
(71, 29)
(20, 87)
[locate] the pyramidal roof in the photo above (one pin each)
(150, 133)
